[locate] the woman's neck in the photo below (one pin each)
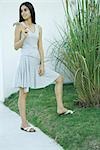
(28, 22)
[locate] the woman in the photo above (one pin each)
(31, 72)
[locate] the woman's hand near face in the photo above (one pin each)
(18, 40)
(25, 32)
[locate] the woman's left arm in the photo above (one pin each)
(41, 52)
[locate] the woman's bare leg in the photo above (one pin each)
(59, 94)
(22, 107)
(22, 110)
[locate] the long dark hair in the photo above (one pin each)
(32, 11)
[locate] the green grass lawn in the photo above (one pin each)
(80, 131)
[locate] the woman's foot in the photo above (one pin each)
(26, 127)
(64, 111)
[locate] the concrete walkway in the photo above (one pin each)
(13, 138)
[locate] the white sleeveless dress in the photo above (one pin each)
(27, 75)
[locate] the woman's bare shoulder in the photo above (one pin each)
(18, 25)
(39, 27)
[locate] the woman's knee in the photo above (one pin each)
(22, 93)
(60, 79)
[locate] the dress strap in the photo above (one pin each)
(22, 23)
(38, 28)
(16, 23)
(28, 27)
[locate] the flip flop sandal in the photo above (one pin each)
(66, 112)
(28, 129)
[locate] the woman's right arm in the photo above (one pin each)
(18, 41)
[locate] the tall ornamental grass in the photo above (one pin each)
(79, 50)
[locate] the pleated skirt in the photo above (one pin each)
(27, 75)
